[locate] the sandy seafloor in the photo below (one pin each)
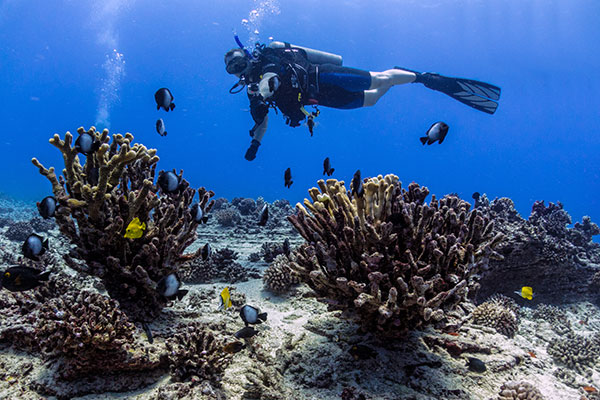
(301, 351)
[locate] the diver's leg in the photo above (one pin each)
(381, 82)
(391, 77)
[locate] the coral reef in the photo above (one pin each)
(500, 315)
(541, 252)
(97, 202)
(279, 276)
(18, 231)
(519, 391)
(89, 333)
(575, 351)
(390, 260)
(221, 266)
(556, 317)
(195, 354)
(228, 217)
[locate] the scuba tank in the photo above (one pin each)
(313, 56)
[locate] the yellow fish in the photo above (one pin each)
(526, 292)
(225, 299)
(135, 229)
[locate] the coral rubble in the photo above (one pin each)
(98, 200)
(386, 257)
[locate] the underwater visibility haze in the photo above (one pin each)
(435, 260)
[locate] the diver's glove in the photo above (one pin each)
(251, 152)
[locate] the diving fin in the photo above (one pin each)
(479, 95)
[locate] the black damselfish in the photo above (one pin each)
(34, 246)
(168, 181)
(252, 315)
(86, 144)
(327, 170)
(164, 99)
(264, 216)
(47, 207)
(287, 176)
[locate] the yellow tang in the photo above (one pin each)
(225, 299)
(135, 229)
(526, 292)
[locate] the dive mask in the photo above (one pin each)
(236, 63)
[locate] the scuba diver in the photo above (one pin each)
(289, 77)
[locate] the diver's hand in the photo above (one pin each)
(251, 152)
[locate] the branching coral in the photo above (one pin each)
(220, 266)
(496, 314)
(279, 276)
(195, 353)
(89, 333)
(391, 260)
(575, 351)
(97, 202)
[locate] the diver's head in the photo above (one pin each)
(236, 62)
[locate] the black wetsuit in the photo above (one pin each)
(303, 83)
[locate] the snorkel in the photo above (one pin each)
(239, 43)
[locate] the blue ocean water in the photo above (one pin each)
(65, 64)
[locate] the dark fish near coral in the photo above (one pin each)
(327, 170)
(362, 352)
(34, 246)
(437, 131)
(86, 144)
(310, 122)
(286, 247)
(476, 196)
(18, 279)
(198, 214)
(47, 207)
(246, 333)
(168, 181)
(160, 127)
(476, 365)
(148, 332)
(168, 287)
(206, 252)
(356, 184)
(164, 99)
(264, 216)
(234, 347)
(252, 315)
(287, 176)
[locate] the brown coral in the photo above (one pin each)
(519, 391)
(195, 354)
(97, 202)
(279, 276)
(495, 315)
(391, 260)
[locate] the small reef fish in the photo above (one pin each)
(531, 354)
(198, 214)
(168, 287)
(148, 332)
(225, 297)
(287, 176)
(356, 184)
(47, 207)
(252, 315)
(34, 246)
(310, 122)
(327, 170)
(160, 127)
(476, 365)
(526, 292)
(206, 252)
(168, 181)
(164, 99)
(476, 196)
(86, 144)
(234, 347)
(453, 333)
(246, 333)
(19, 279)
(362, 352)
(590, 389)
(437, 132)
(264, 215)
(135, 229)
